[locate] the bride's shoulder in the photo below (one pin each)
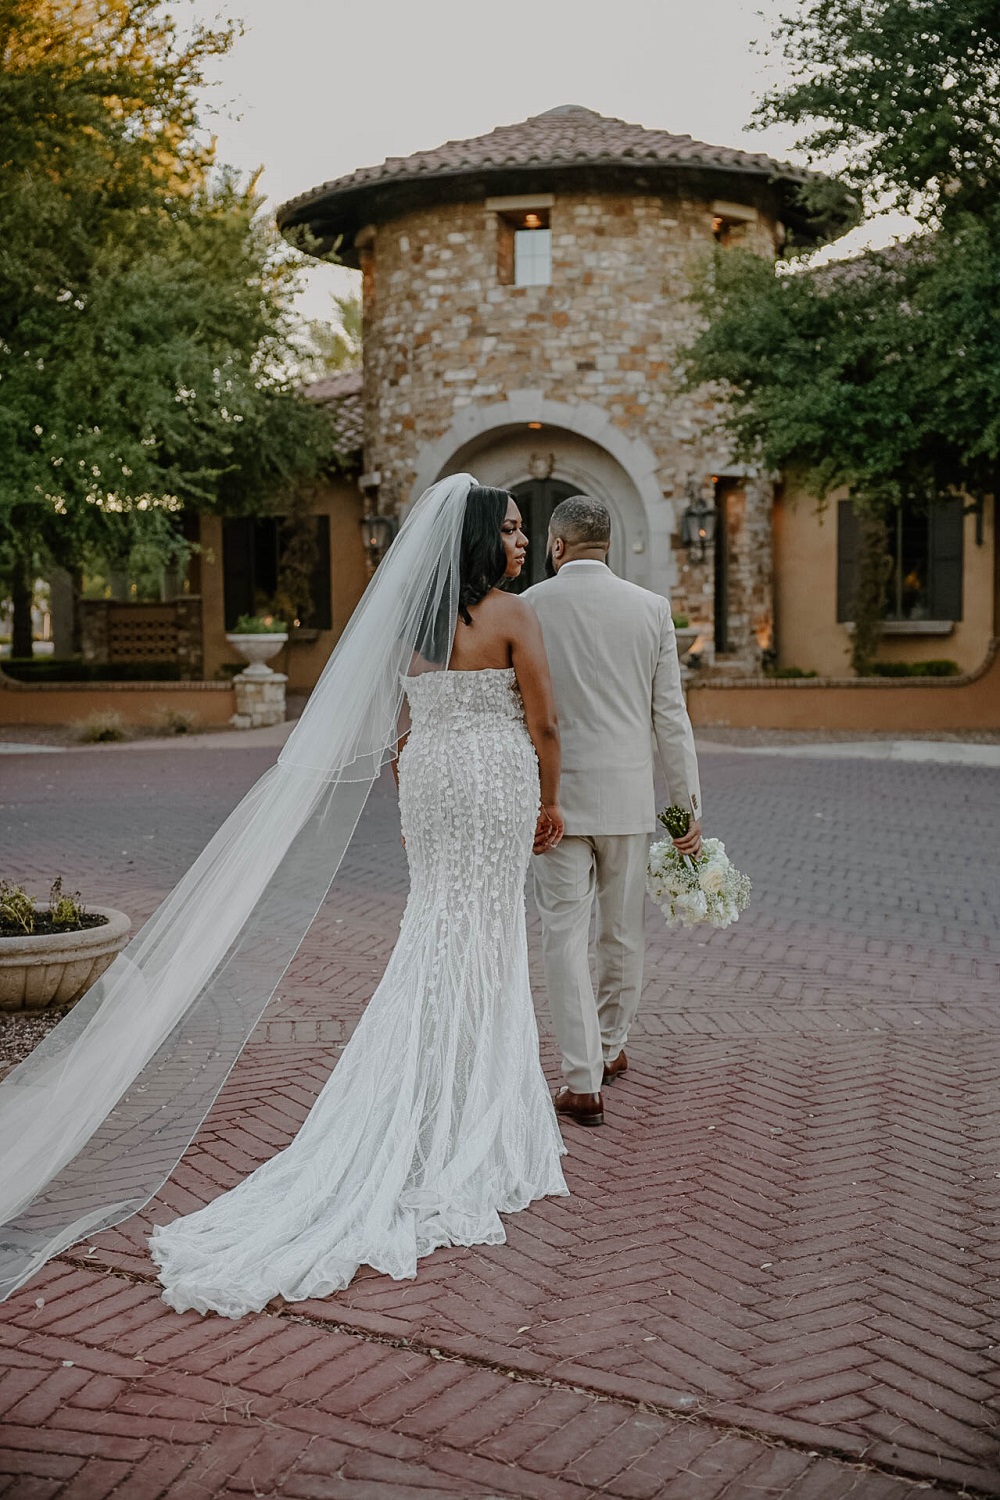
(513, 610)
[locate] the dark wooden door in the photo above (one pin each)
(537, 499)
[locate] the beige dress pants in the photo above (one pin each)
(592, 1030)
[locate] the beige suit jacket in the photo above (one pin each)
(617, 682)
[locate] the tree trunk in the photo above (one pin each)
(22, 593)
(874, 567)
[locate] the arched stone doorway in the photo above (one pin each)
(527, 438)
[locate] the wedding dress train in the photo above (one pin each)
(437, 1118)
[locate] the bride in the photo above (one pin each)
(437, 1118)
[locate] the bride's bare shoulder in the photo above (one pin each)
(517, 620)
(511, 610)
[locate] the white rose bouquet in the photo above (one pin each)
(705, 888)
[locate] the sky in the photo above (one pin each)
(316, 88)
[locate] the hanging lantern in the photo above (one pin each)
(377, 531)
(697, 524)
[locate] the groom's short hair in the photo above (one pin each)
(582, 521)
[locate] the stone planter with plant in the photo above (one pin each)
(51, 957)
(257, 638)
(260, 691)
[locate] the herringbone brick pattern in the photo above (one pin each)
(779, 1259)
(107, 1393)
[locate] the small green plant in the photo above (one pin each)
(940, 667)
(64, 911)
(259, 625)
(169, 720)
(17, 908)
(20, 916)
(789, 672)
(681, 622)
(101, 727)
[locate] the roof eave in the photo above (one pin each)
(332, 213)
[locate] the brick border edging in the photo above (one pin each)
(197, 685)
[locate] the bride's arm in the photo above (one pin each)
(402, 735)
(531, 667)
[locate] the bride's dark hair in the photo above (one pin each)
(483, 561)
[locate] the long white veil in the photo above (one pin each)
(97, 1117)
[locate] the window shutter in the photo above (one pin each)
(265, 560)
(847, 559)
(946, 526)
(237, 568)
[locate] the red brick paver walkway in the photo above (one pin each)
(776, 1274)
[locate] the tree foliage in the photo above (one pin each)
(334, 344)
(904, 93)
(880, 375)
(145, 304)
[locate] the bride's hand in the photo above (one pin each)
(549, 829)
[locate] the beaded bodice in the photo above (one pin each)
(458, 698)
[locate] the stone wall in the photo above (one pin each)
(442, 334)
(113, 633)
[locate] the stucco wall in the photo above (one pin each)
(442, 336)
(138, 703)
(808, 635)
(301, 660)
(865, 704)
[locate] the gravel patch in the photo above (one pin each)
(20, 1033)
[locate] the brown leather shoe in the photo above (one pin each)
(613, 1069)
(585, 1109)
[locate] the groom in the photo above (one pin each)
(617, 684)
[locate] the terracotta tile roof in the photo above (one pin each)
(563, 140)
(568, 136)
(341, 394)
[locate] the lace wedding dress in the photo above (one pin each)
(437, 1118)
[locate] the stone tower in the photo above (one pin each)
(525, 298)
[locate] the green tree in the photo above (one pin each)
(881, 375)
(903, 94)
(145, 303)
(334, 345)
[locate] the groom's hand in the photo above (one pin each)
(691, 842)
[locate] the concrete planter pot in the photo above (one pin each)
(55, 968)
(258, 650)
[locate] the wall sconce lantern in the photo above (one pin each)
(697, 523)
(377, 531)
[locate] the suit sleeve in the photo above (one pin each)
(672, 727)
